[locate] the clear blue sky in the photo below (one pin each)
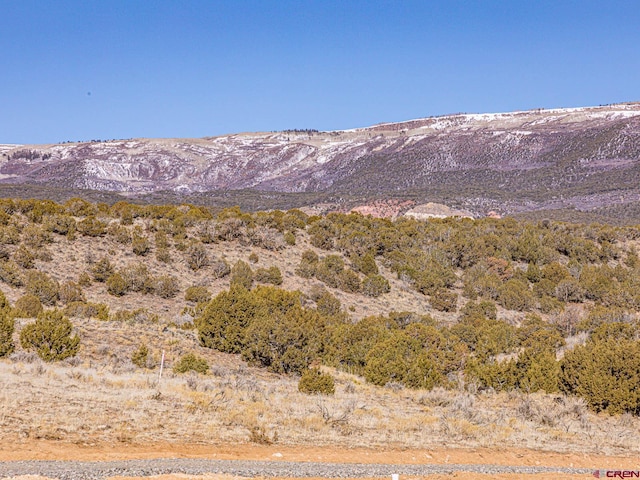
(102, 69)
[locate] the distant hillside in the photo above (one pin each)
(560, 161)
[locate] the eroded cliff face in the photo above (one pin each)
(477, 155)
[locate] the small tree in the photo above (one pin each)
(191, 362)
(102, 270)
(375, 285)
(50, 336)
(43, 286)
(92, 227)
(71, 292)
(116, 285)
(24, 257)
(7, 326)
(28, 306)
(197, 294)
(444, 300)
(313, 381)
(140, 245)
(166, 286)
(241, 274)
(269, 275)
(140, 357)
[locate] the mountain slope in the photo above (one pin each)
(515, 162)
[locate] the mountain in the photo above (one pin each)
(562, 160)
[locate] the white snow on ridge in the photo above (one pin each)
(5, 147)
(445, 121)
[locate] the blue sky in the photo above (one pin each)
(102, 69)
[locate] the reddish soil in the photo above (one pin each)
(51, 450)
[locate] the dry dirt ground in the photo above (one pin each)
(50, 450)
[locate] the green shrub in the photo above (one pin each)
(289, 238)
(486, 337)
(306, 269)
(140, 245)
(285, 342)
(225, 318)
(35, 236)
(191, 362)
(375, 285)
(515, 295)
(116, 285)
(137, 278)
(9, 235)
(60, 224)
(4, 303)
(24, 258)
(328, 304)
(87, 310)
(84, 279)
(605, 371)
(537, 369)
(28, 306)
(241, 274)
(162, 240)
(79, 207)
(310, 256)
(140, 357)
(364, 264)
(197, 294)
(253, 257)
(10, 274)
(444, 300)
(50, 336)
(270, 275)
(349, 281)
(92, 227)
(480, 310)
(313, 381)
(71, 292)
(7, 327)
(102, 270)
(163, 255)
(166, 286)
(120, 234)
(42, 286)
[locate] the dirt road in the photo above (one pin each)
(49, 459)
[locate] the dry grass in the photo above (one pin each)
(100, 397)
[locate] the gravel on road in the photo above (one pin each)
(78, 470)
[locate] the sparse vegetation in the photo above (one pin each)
(493, 303)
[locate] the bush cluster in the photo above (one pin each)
(578, 277)
(50, 336)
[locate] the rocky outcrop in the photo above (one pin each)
(436, 210)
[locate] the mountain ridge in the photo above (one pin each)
(583, 158)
